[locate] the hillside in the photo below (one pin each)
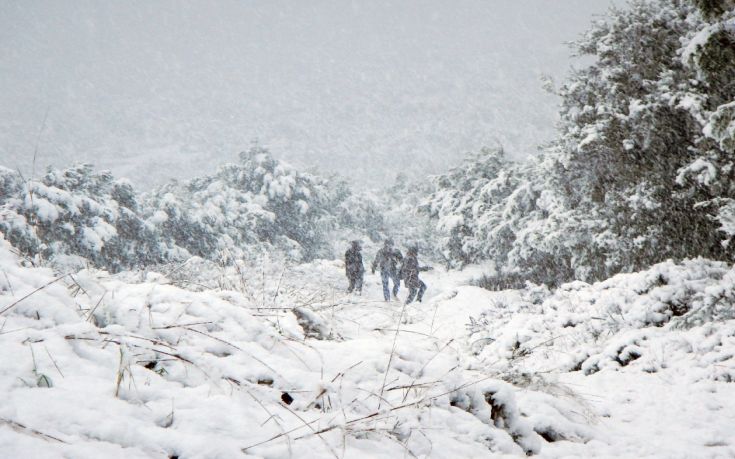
(277, 362)
(582, 302)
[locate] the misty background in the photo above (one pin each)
(164, 89)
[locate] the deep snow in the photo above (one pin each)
(196, 363)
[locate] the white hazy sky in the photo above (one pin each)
(156, 89)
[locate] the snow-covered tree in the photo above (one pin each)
(246, 209)
(625, 135)
(709, 51)
(82, 213)
(258, 206)
(643, 167)
(634, 149)
(469, 202)
(494, 209)
(359, 213)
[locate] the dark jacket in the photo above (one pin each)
(410, 271)
(353, 263)
(387, 259)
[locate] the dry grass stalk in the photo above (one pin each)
(12, 305)
(18, 427)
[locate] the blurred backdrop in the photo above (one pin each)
(170, 88)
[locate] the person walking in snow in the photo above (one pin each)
(354, 268)
(410, 273)
(387, 259)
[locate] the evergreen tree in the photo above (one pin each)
(709, 51)
(643, 167)
(246, 209)
(79, 212)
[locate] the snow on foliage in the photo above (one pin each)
(247, 210)
(662, 319)
(642, 170)
(247, 347)
(511, 214)
(105, 366)
(79, 212)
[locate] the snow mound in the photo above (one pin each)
(676, 317)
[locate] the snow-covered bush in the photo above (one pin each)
(362, 212)
(512, 214)
(130, 361)
(405, 223)
(649, 321)
(77, 212)
(247, 209)
(255, 208)
(469, 201)
(709, 51)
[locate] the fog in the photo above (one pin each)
(160, 89)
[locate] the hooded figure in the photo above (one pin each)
(410, 272)
(388, 259)
(353, 267)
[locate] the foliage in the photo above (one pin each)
(78, 212)
(243, 211)
(247, 208)
(642, 170)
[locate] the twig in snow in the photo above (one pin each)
(18, 427)
(239, 349)
(278, 287)
(53, 360)
(406, 331)
(89, 316)
(426, 384)
(527, 351)
(79, 287)
(436, 308)
(308, 424)
(369, 392)
(7, 308)
(120, 373)
(343, 372)
(119, 342)
(421, 370)
(151, 340)
(275, 419)
(244, 450)
(10, 286)
(392, 353)
(166, 327)
(376, 414)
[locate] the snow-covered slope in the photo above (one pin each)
(651, 354)
(94, 365)
(277, 362)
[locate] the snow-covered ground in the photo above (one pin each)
(280, 362)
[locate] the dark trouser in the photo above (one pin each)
(385, 277)
(355, 283)
(418, 287)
